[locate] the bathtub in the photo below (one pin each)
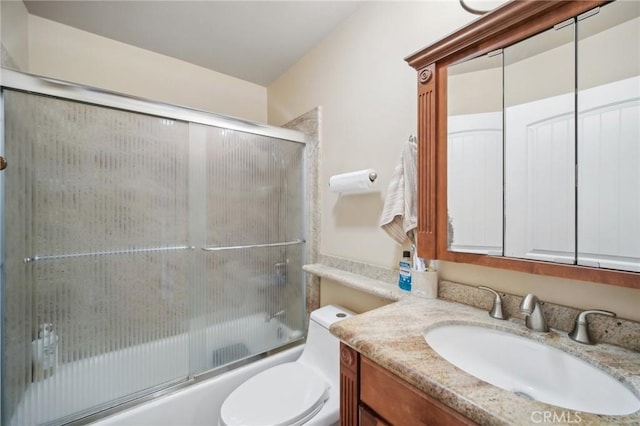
(198, 404)
(117, 376)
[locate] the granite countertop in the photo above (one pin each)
(392, 337)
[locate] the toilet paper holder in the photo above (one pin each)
(360, 181)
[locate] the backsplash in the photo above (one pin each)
(614, 331)
(388, 275)
(603, 329)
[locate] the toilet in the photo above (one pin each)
(306, 391)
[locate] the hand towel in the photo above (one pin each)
(399, 215)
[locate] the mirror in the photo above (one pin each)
(609, 137)
(539, 84)
(474, 155)
(564, 186)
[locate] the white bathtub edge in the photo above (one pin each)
(198, 404)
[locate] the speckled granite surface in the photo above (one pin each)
(392, 337)
(387, 275)
(359, 282)
(615, 331)
(309, 123)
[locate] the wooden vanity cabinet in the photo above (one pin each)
(371, 395)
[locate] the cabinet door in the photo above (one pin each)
(400, 403)
(370, 418)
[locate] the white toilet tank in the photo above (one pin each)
(306, 391)
(322, 349)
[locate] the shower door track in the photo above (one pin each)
(221, 248)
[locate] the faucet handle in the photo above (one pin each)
(580, 332)
(496, 310)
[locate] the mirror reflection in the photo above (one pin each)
(543, 147)
(609, 137)
(474, 155)
(539, 84)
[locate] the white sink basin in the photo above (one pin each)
(532, 369)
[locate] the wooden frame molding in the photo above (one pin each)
(506, 25)
(427, 173)
(349, 386)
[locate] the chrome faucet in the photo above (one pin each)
(496, 310)
(530, 307)
(278, 314)
(580, 332)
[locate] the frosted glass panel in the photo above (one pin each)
(139, 251)
(96, 246)
(254, 188)
(251, 302)
(249, 298)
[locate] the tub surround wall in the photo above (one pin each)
(309, 123)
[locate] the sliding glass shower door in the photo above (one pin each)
(251, 246)
(140, 251)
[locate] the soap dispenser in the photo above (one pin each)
(44, 352)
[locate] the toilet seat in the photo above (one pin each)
(287, 394)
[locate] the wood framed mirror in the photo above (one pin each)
(563, 237)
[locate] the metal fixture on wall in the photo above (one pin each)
(471, 9)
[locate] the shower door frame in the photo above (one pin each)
(104, 98)
(38, 85)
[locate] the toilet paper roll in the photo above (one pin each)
(360, 181)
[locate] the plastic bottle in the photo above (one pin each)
(404, 279)
(44, 352)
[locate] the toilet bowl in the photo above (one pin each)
(305, 391)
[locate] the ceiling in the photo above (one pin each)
(255, 41)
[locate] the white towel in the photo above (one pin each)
(399, 216)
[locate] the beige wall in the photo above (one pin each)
(334, 293)
(14, 35)
(367, 92)
(66, 53)
(368, 95)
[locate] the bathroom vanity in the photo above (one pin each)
(390, 375)
(372, 394)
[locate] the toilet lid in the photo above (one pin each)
(281, 395)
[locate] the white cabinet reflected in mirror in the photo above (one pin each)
(608, 127)
(539, 85)
(474, 155)
(561, 182)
